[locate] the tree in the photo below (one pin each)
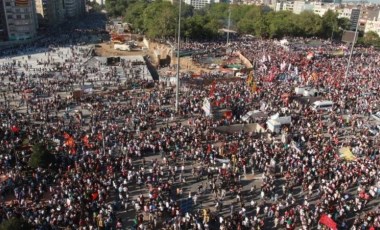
(15, 224)
(116, 8)
(40, 156)
(159, 19)
(309, 24)
(195, 28)
(134, 15)
(329, 24)
(280, 24)
(370, 38)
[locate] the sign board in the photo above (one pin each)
(349, 36)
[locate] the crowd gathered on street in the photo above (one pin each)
(125, 158)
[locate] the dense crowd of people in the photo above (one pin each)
(126, 154)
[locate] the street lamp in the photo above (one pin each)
(229, 25)
(103, 138)
(178, 58)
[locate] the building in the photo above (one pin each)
(199, 4)
(50, 12)
(74, 8)
(370, 13)
(321, 8)
(300, 6)
(3, 23)
(344, 12)
(332, 1)
(20, 19)
(373, 21)
(373, 25)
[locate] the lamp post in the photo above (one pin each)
(228, 26)
(103, 138)
(178, 58)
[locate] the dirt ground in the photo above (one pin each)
(106, 50)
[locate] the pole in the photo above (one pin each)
(352, 46)
(228, 27)
(104, 143)
(178, 58)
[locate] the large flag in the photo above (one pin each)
(212, 91)
(22, 2)
(250, 79)
(327, 221)
(66, 135)
(254, 87)
(70, 142)
(15, 129)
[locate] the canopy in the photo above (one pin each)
(346, 154)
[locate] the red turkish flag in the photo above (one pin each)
(66, 135)
(15, 129)
(100, 136)
(212, 90)
(94, 195)
(327, 221)
(208, 149)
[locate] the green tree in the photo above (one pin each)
(280, 24)
(330, 24)
(15, 224)
(370, 38)
(195, 28)
(40, 157)
(159, 19)
(308, 24)
(249, 19)
(116, 8)
(134, 15)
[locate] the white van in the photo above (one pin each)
(322, 105)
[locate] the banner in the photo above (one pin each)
(212, 90)
(223, 161)
(327, 221)
(206, 107)
(346, 154)
(22, 3)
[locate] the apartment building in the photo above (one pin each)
(199, 4)
(3, 23)
(373, 21)
(19, 19)
(74, 8)
(50, 12)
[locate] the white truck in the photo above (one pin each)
(275, 123)
(306, 91)
(122, 47)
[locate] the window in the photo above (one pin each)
(7, 4)
(10, 16)
(18, 16)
